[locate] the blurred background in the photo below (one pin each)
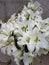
(7, 8)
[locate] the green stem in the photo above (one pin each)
(33, 61)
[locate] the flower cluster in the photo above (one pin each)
(25, 36)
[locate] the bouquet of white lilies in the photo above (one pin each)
(25, 36)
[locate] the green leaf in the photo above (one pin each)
(32, 60)
(47, 49)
